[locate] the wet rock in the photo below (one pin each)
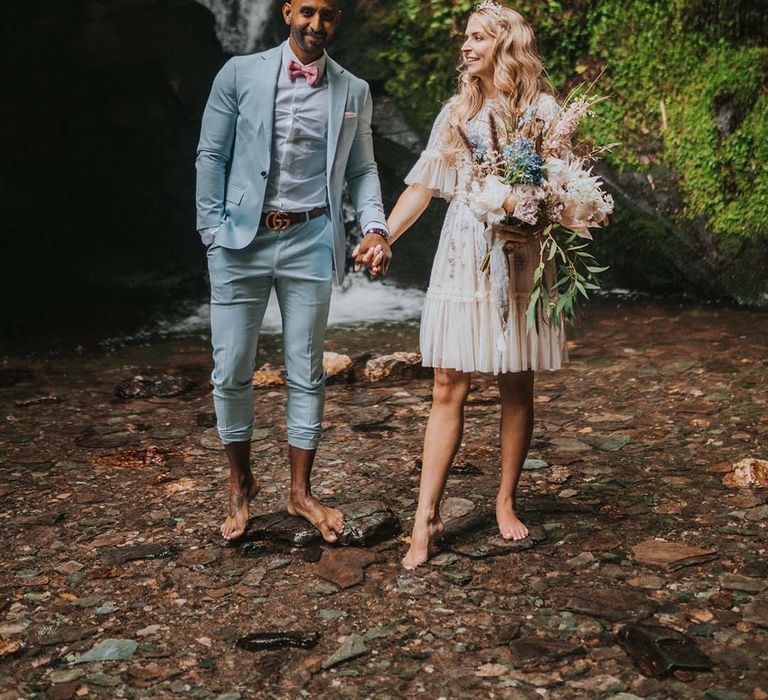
(344, 567)
(67, 676)
(507, 632)
(567, 444)
(151, 673)
(494, 545)
(120, 555)
(151, 457)
(265, 641)
(757, 515)
(113, 440)
(398, 365)
(253, 550)
(735, 582)
(368, 523)
(611, 604)
(748, 472)
(352, 647)
(109, 650)
(338, 368)
(581, 560)
(671, 556)
(311, 555)
(466, 469)
(65, 635)
(531, 464)
(371, 419)
(540, 650)
(757, 611)
(660, 651)
(199, 557)
(154, 386)
(11, 648)
(267, 376)
(607, 443)
(38, 401)
(597, 685)
(454, 507)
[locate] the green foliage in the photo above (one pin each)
(687, 82)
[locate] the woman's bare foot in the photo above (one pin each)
(240, 496)
(425, 531)
(510, 526)
(329, 521)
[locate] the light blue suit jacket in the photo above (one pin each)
(233, 156)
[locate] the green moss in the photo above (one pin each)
(688, 88)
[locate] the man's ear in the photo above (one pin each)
(287, 12)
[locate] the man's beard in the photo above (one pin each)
(300, 35)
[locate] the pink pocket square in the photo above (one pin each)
(349, 115)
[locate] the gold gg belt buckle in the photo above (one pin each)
(277, 220)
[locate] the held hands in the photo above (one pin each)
(374, 253)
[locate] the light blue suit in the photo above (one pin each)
(246, 261)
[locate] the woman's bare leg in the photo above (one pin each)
(516, 389)
(441, 443)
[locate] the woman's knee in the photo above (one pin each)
(450, 387)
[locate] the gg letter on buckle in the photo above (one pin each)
(277, 220)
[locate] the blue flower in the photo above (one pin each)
(523, 163)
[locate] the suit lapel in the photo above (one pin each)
(338, 87)
(269, 76)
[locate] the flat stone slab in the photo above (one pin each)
(367, 523)
(491, 544)
(120, 555)
(109, 650)
(671, 556)
(265, 641)
(351, 648)
(611, 604)
(540, 650)
(344, 567)
(660, 651)
(757, 611)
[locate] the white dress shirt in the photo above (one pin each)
(297, 175)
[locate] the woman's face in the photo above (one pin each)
(477, 49)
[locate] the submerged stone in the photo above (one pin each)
(611, 604)
(153, 386)
(109, 650)
(351, 648)
(660, 651)
(493, 545)
(121, 555)
(264, 641)
(671, 555)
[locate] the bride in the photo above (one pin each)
(461, 330)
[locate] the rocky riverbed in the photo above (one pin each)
(646, 574)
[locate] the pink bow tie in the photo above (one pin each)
(296, 70)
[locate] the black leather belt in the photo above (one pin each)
(279, 220)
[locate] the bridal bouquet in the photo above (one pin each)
(535, 180)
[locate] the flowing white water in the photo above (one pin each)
(360, 301)
(240, 24)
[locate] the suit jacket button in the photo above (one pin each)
(263, 173)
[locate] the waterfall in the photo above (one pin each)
(240, 24)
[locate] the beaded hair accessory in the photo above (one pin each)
(490, 6)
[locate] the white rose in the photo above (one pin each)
(486, 200)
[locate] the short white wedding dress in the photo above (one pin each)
(460, 327)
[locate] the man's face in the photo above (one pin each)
(313, 23)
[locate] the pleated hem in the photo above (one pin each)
(466, 336)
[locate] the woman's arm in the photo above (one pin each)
(409, 207)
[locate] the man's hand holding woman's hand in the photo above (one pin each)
(374, 253)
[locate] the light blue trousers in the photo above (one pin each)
(297, 262)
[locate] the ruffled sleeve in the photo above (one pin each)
(431, 170)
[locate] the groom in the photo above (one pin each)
(281, 132)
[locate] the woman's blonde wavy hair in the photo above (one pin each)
(518, 76)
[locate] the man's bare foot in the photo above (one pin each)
(510, 526)
(239, 508)
(425, 531)
(329, 521)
